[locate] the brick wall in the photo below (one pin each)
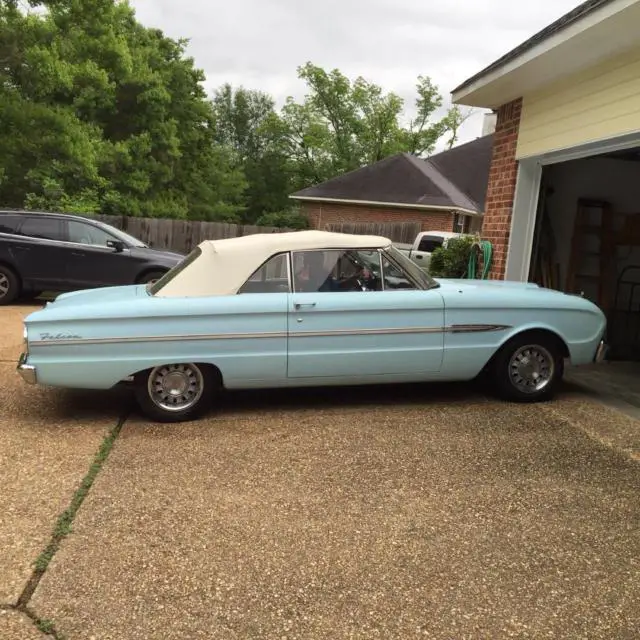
(496, 225)
(321, 214)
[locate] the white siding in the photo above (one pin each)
(599, 103)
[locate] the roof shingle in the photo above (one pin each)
(455, 179)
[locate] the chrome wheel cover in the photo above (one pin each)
(175, 387)
(531, 368)
(4, 285)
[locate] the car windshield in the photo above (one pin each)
(420, 277)
(154, 287)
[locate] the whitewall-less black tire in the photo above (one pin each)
(151, 276)
(9, 285)
(529, 368)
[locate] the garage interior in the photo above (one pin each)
(587, 241)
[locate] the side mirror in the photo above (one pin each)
(117, 245)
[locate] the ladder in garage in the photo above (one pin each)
(590, 270)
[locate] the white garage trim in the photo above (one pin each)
(523, 220)
(619, 143)
(525, 203)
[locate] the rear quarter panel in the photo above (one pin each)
(494, 316)
(97, 345)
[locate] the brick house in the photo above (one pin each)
(567, 133)
(445, 192)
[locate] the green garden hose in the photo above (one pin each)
(486, 248)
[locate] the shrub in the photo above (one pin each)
(452, 261)
(287, 219)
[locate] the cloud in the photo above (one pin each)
(260, 43)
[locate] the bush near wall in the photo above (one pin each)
(452, 261)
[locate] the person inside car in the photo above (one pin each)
(314, 276)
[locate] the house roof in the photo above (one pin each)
(565, 21)
(467, 166)
(454, 180)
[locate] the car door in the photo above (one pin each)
(256, 320)
(40, 253)
(91, 262)
(387, 328)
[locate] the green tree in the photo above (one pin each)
(246, 124)
(343, 125)
(133, 130)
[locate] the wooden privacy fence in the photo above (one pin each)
(404, 232)
(183, 235)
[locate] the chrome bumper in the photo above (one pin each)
(27, 371)
(601, 352)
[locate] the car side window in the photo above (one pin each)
(9, 224)
(337, 270)
(83, 233)
(271, 277)
(429, 244)
(43, 228)
(394, 277)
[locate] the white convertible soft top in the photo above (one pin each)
(225, 265)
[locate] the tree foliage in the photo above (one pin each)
(99, 113)
(107, 116)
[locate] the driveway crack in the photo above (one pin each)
(62, 529)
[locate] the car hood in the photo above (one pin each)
(104, 295)
(168, 258)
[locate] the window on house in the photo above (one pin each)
(461, 223)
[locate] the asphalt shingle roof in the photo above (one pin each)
(455, 179)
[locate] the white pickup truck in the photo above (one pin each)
(425, 244)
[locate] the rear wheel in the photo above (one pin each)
(9, 285)
(175, 392)
(528, 368)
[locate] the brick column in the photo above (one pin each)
(501, 189)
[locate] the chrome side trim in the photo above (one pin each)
(359, 332)
(476, 328)
(456, 328)
(170, 338)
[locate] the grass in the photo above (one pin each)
(62, 528)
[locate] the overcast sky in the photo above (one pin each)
(260, 43)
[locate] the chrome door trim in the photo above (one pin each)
(458, 328)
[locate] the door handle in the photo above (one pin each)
(419, 257)
(78, 253)
(303, 305)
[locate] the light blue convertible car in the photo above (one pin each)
(305, 308)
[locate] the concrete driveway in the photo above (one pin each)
(401, 512)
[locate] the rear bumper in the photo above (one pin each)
(601, 352)
(27, 371)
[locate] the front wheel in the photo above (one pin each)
(151, 277)
(175, 392)
(528, 368)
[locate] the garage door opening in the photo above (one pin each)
(587, 239)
